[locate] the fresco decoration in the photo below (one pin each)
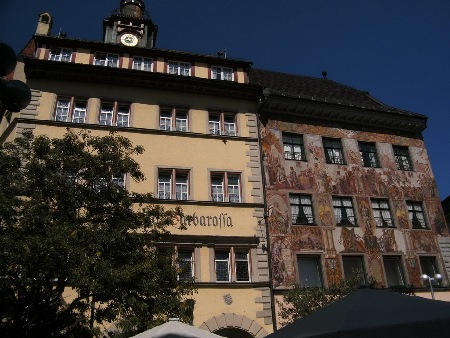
(278, 215)
(387, 241)
(401, 214)
(413, 269)
(333, 270)
(283, 271)
(325, 210)
(307, 238)
(436, 217)
(376, 271)
(423, 241)
(351, 241)
(363, 204)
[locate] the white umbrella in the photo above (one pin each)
(176, 329)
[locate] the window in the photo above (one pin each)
(60, 54)
(333, 151)
(114, 114)
(382, 214)
(179, 68)
(173, 184)
(343, 211)
(352, 266)
(241, 265)
(293, 147)
(369, 155)
(171, 118)
(106, 60)
(301, 209)
(393, 270)
(185, 264)
(221, 123)
(70, 110)
(119, 179)
(416, 215)
(222, 73)
(309, 271)
(145, 64)
(402, 158)
(222, 266)
(429, 267)
(225, 187)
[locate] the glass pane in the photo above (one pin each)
(393, 270)
(309, 272)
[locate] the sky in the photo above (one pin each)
(397, 50)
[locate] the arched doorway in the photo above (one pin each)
(231, 325)
(232, 332)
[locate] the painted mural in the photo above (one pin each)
(314, 177)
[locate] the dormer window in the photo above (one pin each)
(179, 68)
(222, 73)
(106, 60)
(60, 54)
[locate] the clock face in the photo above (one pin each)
(129, 39)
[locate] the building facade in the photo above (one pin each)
(348, 186)
(341, 181)
(195, 115)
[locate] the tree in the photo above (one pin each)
(301, 301)
(67, 224)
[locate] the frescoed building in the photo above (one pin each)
(195, 115)
(348, 186)
(342, 180)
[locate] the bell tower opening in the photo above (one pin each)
(130, 25)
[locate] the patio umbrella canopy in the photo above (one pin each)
(176, 329)
(371, 313)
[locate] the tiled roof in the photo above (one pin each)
(322, 90)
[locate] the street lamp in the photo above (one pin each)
(425, 278)
(14, 94)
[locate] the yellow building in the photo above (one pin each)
(195, 115)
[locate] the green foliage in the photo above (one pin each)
(65, 224)
(301, 301)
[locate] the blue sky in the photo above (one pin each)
(398, 51)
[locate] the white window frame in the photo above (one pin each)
(221, 192)
(60, 54)
(237, 252)
(75, 110)
(179, 68)
(142, 63)
(233, 259)
(222, 73)
(182, 261)
(106, 59)
(119, 179)
(175, 187)
(173, 118)
(117, 116)
(222, 260)
(219, 123)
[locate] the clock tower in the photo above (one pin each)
(130, 25)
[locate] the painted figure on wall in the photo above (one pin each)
(351, 241)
